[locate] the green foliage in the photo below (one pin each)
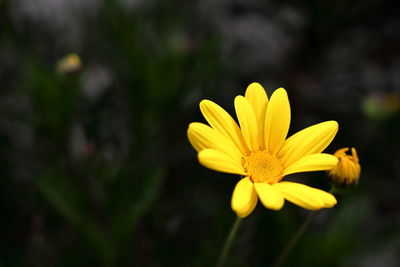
(109, 179)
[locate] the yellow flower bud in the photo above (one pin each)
(69, 64)
(347, 171)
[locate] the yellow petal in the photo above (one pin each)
(247, 121)
(269, 196)
(219, 161)
(305, 196)
(277, 121)
(202, 136)
(197, 140)
(314, 162)
(328, 198)
(355, 155)
(258, 99)
(244, 198)
(311, 140)
(220, 120)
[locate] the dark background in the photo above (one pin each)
(95, 166)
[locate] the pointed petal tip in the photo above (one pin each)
(280, 94)
(204, 102)
(330, 205)
(192, 125)
(281, 90)
(207, 103)
(333, 124)
(254, 86)
(256, 89)
(330, 200)
(238, 98)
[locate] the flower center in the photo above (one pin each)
(263, 167)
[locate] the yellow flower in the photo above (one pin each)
(260, 152)
(347, 171)
(69, 64)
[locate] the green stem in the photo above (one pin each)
(293, 241)
(228, 242)
(296, 237)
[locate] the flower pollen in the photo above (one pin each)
(263, 167)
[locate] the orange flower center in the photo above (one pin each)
(263, 167)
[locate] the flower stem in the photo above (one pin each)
(293, 241)
(296, 237)
(228, 242)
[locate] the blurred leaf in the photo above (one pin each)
(54, 97)
(141, 201)
(58, 200)
(339, 237)
(64, 195)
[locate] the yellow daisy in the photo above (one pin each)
(259, 151)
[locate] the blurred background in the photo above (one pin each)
(96, 96)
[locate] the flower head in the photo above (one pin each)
(69, 64)
(347, 171)
(259, 151)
